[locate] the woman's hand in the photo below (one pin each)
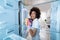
(27, 22)
(32, 32)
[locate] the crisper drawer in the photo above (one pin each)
(6, 30)
(11, 4)
(12, 29)
(14, 37)
(10, 16)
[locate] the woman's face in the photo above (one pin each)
(33, 15)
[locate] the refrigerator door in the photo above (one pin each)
(55, 21)
(8, 18)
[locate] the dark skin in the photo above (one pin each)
(32, 32)
(33, 16)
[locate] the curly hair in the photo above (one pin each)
(37, 10)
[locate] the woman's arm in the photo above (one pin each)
(33, 32)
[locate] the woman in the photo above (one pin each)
(35, 28)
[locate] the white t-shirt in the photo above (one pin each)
(36, 24)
